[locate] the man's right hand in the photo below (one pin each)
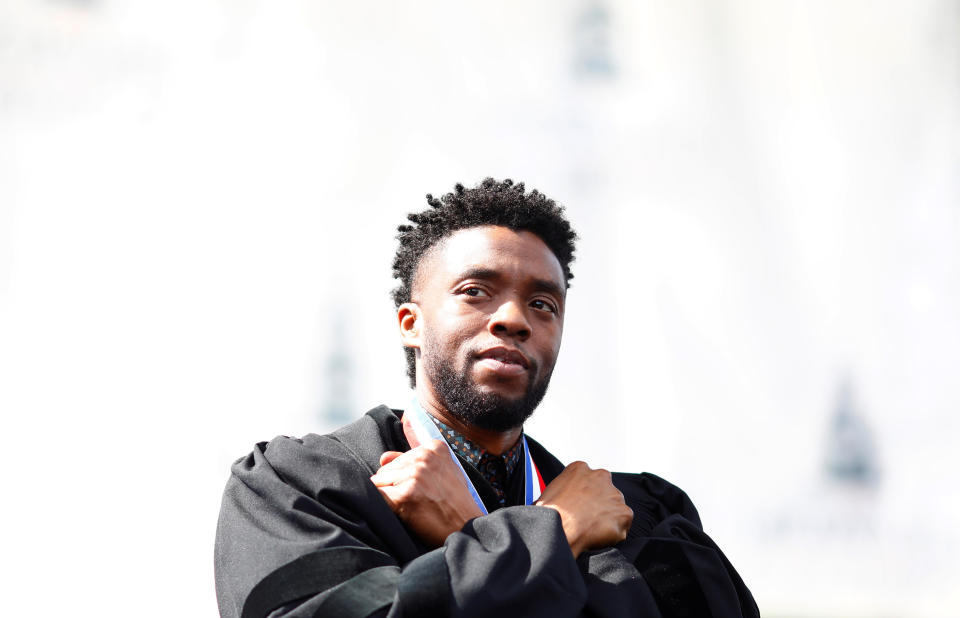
(592, 510)
(426, 490)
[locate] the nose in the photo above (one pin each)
(510, 320)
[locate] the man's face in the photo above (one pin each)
(491, 302)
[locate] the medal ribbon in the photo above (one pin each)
(425, 429)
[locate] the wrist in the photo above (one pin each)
(574, 537)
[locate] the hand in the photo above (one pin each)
(592, 510)
(426, 490)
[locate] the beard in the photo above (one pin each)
(461, 396)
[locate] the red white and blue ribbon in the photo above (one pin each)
(425, 429)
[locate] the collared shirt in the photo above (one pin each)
(496, 469)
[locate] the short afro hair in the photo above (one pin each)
(492, 202)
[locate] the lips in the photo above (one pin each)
(506, 355)
(504, 362)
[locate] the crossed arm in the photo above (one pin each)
(429, 494)
(302, 533)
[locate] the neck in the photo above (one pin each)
(495, 442)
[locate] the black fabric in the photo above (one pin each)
(422, 578)
(361, 595)
(309, 501)
(310, 575)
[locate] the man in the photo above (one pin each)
(447, 508)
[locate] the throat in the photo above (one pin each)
(492, 441)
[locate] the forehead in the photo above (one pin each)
(510, 253)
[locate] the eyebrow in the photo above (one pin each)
(540, 285)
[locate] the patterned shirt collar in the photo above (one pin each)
(496, 469)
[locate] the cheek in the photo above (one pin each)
(450, 337)
(463, 323)
(551, 347)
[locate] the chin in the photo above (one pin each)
(507, 395)
(485, 401)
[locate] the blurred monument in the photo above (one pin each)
(848, 492)
(851, 458)
(592, 54)
(337, 408)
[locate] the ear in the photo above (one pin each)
(410, 321)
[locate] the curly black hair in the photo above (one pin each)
(492, 202)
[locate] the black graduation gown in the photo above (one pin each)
(303, 532)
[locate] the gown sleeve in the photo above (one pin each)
(667, 566)
(303, 532)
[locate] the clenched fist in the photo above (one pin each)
(592, 510)
(427, 491)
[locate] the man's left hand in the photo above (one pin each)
(426, 490)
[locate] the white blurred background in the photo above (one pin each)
(197, 209)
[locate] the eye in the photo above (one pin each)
(544, 305)
(474, 291)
